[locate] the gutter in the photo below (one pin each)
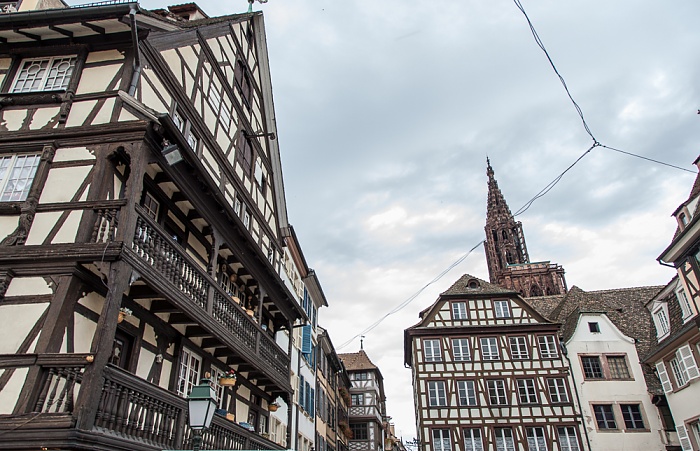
(32, 19)
(137, 51)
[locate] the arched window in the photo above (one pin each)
(509, 258)
(505, 235)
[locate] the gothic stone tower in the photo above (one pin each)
(506, 252)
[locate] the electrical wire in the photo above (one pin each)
(411, 298)
(648, 159)
(553, 183)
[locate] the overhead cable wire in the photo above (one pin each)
(411, 298)
(648, 159)
(553, 183)
(556, 71)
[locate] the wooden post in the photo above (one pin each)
(102, 343)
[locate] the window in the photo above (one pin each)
(460, 349)
(489, 348)
(359, 431)
(695, 427)
(557, 390)
(151, 205)
(568, 440)
(245, 152)
(591, 367)
(359, 377)
(604, 417)
(242, 80)
(459, 310)
(518, 348)
(536, 440)
(661, 321)
(683, 301)
(431, 350)
(190, 369)
(617, 365)
(594, 327)
(218, 389)
(437, 396)
(121, 350)
(441, 440)
(526, 391)
(502, 309)
(548, 346)
(246, 219)
(632, 415)
(497, 392)
(193, 141)
(44, 74)
(16, 176)
(678, 372)
(467, 393)
(357, 399)
(472, 440)
(504, 439)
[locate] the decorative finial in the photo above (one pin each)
(362, 342)
(250, 4)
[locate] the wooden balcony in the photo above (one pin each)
(132, 415)
(185, 284)
(368, 412)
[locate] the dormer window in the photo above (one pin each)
(683, 219)
(44, 74)
(473, 284)
(683, 302)
(660, 315)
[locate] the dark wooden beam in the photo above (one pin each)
(61, 30)
(212, 343)
(93, 27)
(180, 318)
(163, 307)
(35, 37)
(197, 331)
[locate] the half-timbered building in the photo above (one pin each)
(676, 314)
(488, 373)
(142, 228)
(367, 414)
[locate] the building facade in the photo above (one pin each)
(367, 413)
(506, 252)
(675, 311)
(606, 333)
(143, 229)
(488, 374)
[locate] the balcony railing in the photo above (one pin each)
(157, 250)
(139, 410)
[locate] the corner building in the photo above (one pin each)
(488, 374)
(142, 228)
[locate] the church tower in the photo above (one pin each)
(506, 253)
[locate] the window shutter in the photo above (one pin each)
(684, 439)
(685, 354)
(301, 391)
(306, 339)
(663, 376)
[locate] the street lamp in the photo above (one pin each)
(201, 404)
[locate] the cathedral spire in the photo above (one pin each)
(506, 253)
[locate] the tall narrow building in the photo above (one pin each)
(506, 253)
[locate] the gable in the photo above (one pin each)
(480, 311)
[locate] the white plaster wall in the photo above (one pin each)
(611, 341)
(104, 116)
(12, 119)
(682, 409)
(148, 94)
(62, 184)
(28, 286)
(15, 323)
(95, 79)
(9, 395)
(93, 301)
(41, 226)
(84, 333)
(42, 117)
(8, 224)
(79, 112)
(72, 154)
(69, 229)
(145, 362)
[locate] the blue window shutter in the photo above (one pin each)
(307, 389)
(312, 404)
(301, 391)
(306, 339)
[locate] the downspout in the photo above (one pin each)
(137, 52)
(565, 353)
(291, 398)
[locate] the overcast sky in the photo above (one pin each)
(388, 109)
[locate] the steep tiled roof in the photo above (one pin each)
(545, 304)
(357, 361)
(461, 287)
(625, 307)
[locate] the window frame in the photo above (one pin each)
(585, 357)
(501, 309)
(567, 430)
(550, 346)
(639, 413)
(74, 70)
(551, 383)
(622, 358)
(461, 357)
(660, 316)
(8, 175)
(527, 388)
(432, 354)
(474, 446)
(538, 446)
(492, 387)
(183, 385)
(457, 313)
(520, 345)
(683, 302)
(437, 393)
(466, 383)
(605, 418)
(508, 439)
(490, 345)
